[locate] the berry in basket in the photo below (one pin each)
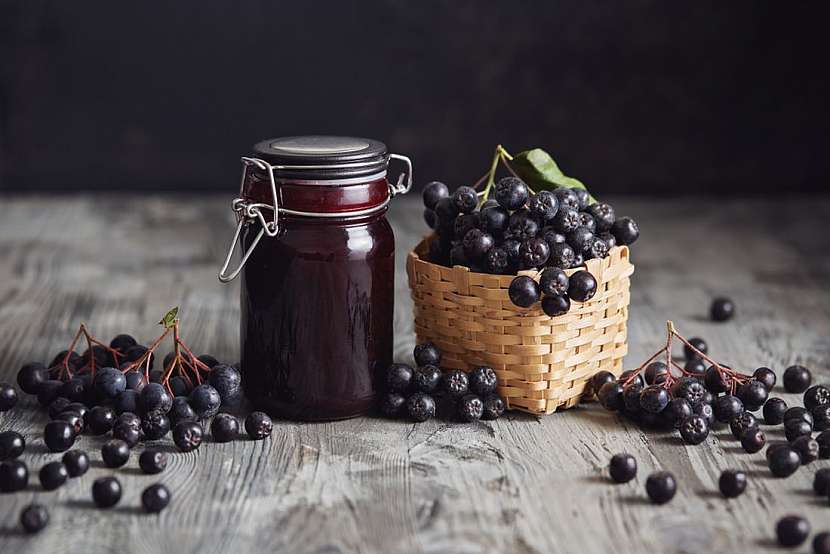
(418, 393)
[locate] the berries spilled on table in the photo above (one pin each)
(420, 393)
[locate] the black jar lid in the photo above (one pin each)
(323, 157)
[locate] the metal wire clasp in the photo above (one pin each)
(248, 212)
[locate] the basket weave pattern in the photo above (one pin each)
(542, 363)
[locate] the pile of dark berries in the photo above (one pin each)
(113, 391)
(417, 393)
(507, 228)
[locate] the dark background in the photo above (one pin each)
(640, 96)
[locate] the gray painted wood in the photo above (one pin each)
(520, 484)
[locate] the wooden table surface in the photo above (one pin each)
(519, 484)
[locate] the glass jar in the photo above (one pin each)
(318, 273)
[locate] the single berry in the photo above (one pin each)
(783, 461)
(14, 476)
(727, 407)
(554, 306)
(31, 376)
(623, 468)
(399, 378)
(523, 291)
(807, 448)
(661, 487)
(493, 407)
(53, 475)
(130, 434)
(603, 215)
(766, 376)
(821, 543)
(815, 396)
(420, 407)
(476, 244)
(610, 395)
(470, 408)
(155, 498)
(8, 397)
(393, 404)
(654, 399)
(521, 226)
(122, 343)
(582, 196)
(106, 492)
(155, 425)
(625, 231)
(656, 373)
(677, 411)
(152, 461)
(433, 192)
(699, 344)
(227, 382)
(115, 453)
(821, 417)
(109, 383)
(426, 378)
(692, 390)
(34, 518)
(580, 238)
(631, 398)
(753, 395)
(823, 440)
(566, 220)
(716, 380)
(511, 193)
(567, 197)
(732, 483)
(582, 286)
(794, 428)
(205, 401)
(753, 440)
(797, 379)
(561, 255)
(543, 205)
(497, 262)
(187, 435)
(800, 413)
(483, 380)
(456, 383)
(534, 253)
(127, 401)
(155, 398)
(76, 462)
(180, 386)
(600, 378)
(742, 423)
(59, 436)
(553, 282)
(223, 428)
(494, 220)
(722, 309)
(792, 530)
(12, 445)
(707, 412)
(821, 482)
(694, 429)
(258, 425)
(49, 390)
(427, 354)
(181, 411)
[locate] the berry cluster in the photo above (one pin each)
(418, 392)
(519, 229)
(112, 389)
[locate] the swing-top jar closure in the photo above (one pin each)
(322, 177)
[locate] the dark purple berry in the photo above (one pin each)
(753, 395)
(187, 435)
(58, 436)
(12, 445)
(698, 347)
(610, 395)
(603, 215)
(76, 462)
(465, 199)
(561, 255)
(106, 492)
(625, 230)
(155, 498)
(553, 282)
(567, 198)
(8, 397)
(523, 291)
(566, 220)
(497, 262)
(34, 518)
(543, 205)
(258, 425)
(727, 407)
(774, 410)
(722, 309)
(807, 448)
(482, 381)
(694, 429)
(656, 373)
(152, 461)
(427, 354)
(154, 397)
(732, 483)
(511, 193)
(742, 423)
(115, 453)
(399, 378)
(53, 475)
(493, 407)
(470, 408)
(623, 468)
(393, 404)
(753, 440)
(797, 379)
(661, 487)
(815, 396)
(654, 399)
(205, 401)
(792, 530)
(456, 383)
(426, 378)
(433, 192)
(534, 253)
(766, 376)
(554, 306)
(494, 220)
(582, 286)
(420, 407)
(783, 461)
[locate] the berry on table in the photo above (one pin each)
(470, 408)
(427, 354)
(783, 461)
(661, 487)
(53, 475)
(699, 344)
(799, 413)
(426, 378)
(187, 435)
(732, 483)
(152, 461)
(483, 380)
(130, 434)
(420, 407)
(727, 407)
(821, 418)
(155, 425)
(205, 401)
(399, 378)
(582, 286)
(106, 492)
(155, 498)
(722, 309)
(14, 476)
(58, 436)
(393, 404)
(600, 378)
(623, 468)
(227, 381)
(76, 462)
(815, 396)
(493, 407)
(12, 445)
(181, 411)
(31, 376)
(115, 453)
(821, 543)
(753, 395)
(223, 428)
(742, 423)
(792, 530)
(807, 448)
(8, 397)
(34, 518)
(456, 383)
(610, 395)
(797, 379)
(766, 376)
(258, 425)
(821, 482)
(794, 428)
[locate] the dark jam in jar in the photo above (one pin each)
(318, 297)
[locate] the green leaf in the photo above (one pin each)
(170, 318)
(538, 169)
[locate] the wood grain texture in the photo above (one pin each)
(520, 484)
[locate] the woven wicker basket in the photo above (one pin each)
(542, 363)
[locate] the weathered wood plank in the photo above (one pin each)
(519, 484)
